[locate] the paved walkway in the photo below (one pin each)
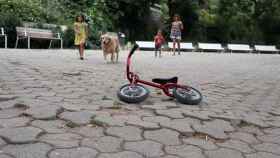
(56, 106)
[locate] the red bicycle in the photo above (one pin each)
(135, 92)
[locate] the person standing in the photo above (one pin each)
(81, 33)
(159, 40)
(176, 32)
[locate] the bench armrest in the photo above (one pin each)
(2, 31)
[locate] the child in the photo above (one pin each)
(159, 40)
(176, 28)
(81, 31)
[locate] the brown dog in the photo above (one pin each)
(110, 45)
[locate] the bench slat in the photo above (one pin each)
(36, 33)
(266, 48)
(187, 46)
(145, 44)
(210, 46)
(2, 31)
(239, 47)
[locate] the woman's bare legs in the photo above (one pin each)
(179, 47)
(174, 46)
(81, 51)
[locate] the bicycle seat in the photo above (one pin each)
(165, 80)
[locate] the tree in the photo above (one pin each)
(26, 10)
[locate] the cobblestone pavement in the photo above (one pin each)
(56, 106)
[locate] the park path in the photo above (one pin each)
(53, 105)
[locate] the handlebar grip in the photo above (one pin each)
(136, 46)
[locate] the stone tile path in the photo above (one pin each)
(53, 105)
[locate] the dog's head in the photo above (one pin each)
(105, 39)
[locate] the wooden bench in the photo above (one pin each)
(146, 45)
(2, 34)
(183, 46)
(33, 33)
(239, 47)
(266, 48)
(210, 47)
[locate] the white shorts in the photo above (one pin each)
(174, 38)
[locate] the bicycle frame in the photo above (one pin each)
(134, 78)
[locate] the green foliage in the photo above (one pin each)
(10, 22)
(26, 10)
(68, 38)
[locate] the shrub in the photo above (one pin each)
(68, 38)
(10, 22)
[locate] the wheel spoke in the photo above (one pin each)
(133, 91)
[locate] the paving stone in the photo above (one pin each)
(268, 147)
(168, 156)
(222, 153)
(201, 143)
(273, 131)
(79, 118)
(185, 151)
(4, 156)
(135, 120)
(171, 113)
(128, 133)
(159, 106)
(147, 148)
(105, 120)
(87, 131)
(37, 150)
(43, 112)
(144, 124)
(14, 122)
(46, 94)
(237, 145)
(262, 155)
(103, 144)
(80, 107)
(20, 135)
(2, 142)
(252, 130)
(72, 95)
(10, 113)
(215, 129)
(274, 122)
(50, 126)
(245, 137)
(53, 99)
(201, 115)
(124, 154)
(164, 136)
(229, 94)
(7, 97)
(65, 140)
(255, 120)
(275, 112)
(80, 152)
(270, 139)
(228, 116)
(181, 125)
(33, 103)
(156, 119)
(7, 104)
(141, 113)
